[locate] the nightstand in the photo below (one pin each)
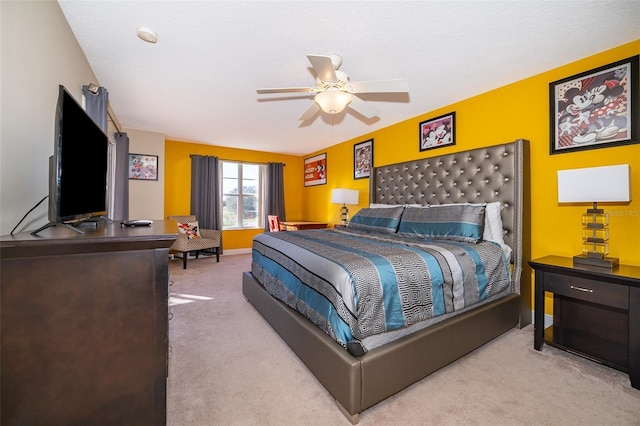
(596, 312)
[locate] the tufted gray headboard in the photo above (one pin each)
(494, 173)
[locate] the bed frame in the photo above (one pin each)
(495, 173)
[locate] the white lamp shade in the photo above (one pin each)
(333, 101)
(599, 184)
(345, 196)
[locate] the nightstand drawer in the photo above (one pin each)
(599, 292)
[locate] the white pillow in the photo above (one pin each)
(493, 230)
(383, 206)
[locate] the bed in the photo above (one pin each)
(365, 367)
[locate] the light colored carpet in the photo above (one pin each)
(228, 367)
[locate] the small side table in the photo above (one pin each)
(596, 312)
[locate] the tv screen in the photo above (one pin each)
(78, 187)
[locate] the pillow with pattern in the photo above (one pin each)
(189, 229)
(456, 222)
(377, 219)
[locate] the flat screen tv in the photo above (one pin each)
(78, 167)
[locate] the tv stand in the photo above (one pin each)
(92, 223)
(84, 326)
(52, 224)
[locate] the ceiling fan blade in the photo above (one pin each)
(323, 66)
(284, 90)
(359, 106)
(381, 86)
(310, 112)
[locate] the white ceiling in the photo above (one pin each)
(198, 82)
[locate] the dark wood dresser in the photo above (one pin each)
(596, 312)
(84, 330)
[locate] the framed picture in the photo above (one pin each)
(143, 167)
(362, 159)
(315, 170)
(438, 132)
(595, 109)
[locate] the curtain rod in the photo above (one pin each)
(113, 121)
(236, 161)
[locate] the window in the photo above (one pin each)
(243, 195)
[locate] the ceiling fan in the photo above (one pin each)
(334, 91)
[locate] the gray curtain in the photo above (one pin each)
(97, 102)
(275, 192)
(120, 204)
(206, 201)
(96, 106)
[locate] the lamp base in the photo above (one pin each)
(344, 215)
(605, 262)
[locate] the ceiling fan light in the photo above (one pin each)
(333, 101)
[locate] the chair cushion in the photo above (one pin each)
(190, 229)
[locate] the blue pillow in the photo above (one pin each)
(377, 219)
(463, 222)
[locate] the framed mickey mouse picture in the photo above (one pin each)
(438, 132)
(596, 108)
(143, 167)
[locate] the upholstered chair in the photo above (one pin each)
(191, 238)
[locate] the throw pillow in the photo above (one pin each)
(457, 222)
(377, 219)
(189, 229)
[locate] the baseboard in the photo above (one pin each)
(202, 254)
(237, 251)
(548, 319)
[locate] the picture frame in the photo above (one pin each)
(315, 170)
(438, 132)
(362, 159)
(143, 167)
(595, 109)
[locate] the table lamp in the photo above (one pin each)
(344, 197)
(593, 185)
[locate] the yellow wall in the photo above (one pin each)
(518, 110)
(177, 198)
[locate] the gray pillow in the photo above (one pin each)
(377, 219)
(463, 222)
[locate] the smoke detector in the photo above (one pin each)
(147, 34)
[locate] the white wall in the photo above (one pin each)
(38, 52)
(146, 198)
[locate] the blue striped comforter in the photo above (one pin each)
(355, 284)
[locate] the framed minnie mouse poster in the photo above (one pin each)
(438, 132)
(596, 108)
